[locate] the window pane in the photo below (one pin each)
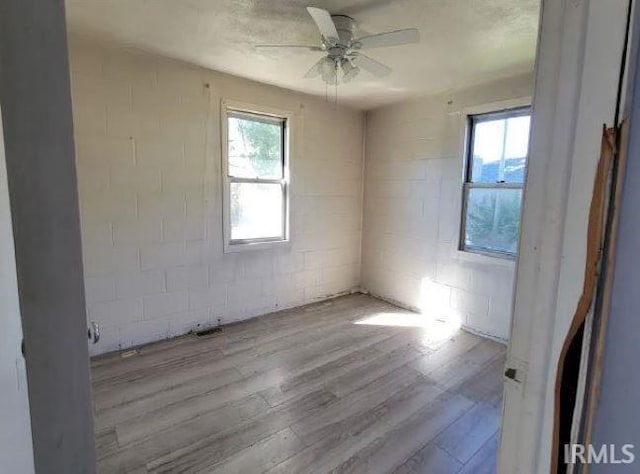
(499, 150)
(516, 148)
(255, 149)
(256, 211)
(493, 219)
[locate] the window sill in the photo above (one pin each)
(252, 246)
(479, 256)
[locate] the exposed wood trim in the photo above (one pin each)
(601, 322)
(593, 258)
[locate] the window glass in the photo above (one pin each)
(499, 150)
(256, 211)
(493, 219)
(255, 148)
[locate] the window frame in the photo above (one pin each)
(230, 109)
(468, 184)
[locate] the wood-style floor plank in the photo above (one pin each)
(430, 460)
(312, 389)
(485, 460)
(358, 430)
(324, 420)
(182, 435)
(393, 447)
(263, 455)
(469, 433)
(209, 451)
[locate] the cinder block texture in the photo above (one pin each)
(414, 158)
(147, 133)
(148, 143)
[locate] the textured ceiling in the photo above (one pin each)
(463, 42)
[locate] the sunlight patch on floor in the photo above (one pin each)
(434, 330)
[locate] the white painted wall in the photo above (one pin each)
(16, 448)
(415, 154)
(147, 136)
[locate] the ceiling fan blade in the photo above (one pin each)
(315, 69)
(371, 65)
(289, 46)
(324, 22)
(392, 38)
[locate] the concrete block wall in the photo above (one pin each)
(414, 157)
(147, 134)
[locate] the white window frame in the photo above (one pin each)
(234, 108)
(468, 184)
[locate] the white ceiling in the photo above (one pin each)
(463, 42)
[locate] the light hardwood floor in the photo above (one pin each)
(347, 385)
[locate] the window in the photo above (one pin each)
(256, 178)
(494, 178)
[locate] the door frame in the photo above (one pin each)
(39, 148)
(575, 93)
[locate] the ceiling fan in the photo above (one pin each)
(343, 50)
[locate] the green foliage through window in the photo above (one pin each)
(493, 219)
(255, 148)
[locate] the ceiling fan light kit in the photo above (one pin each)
(349, 71)
(343, 50)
